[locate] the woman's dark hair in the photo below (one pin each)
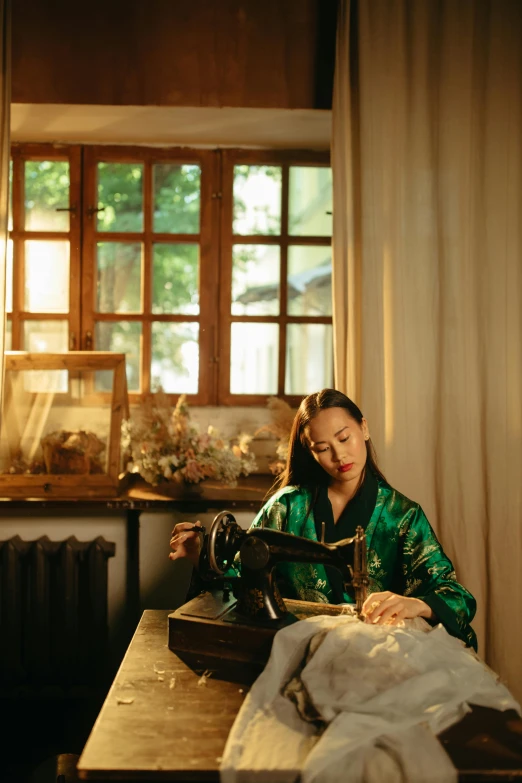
(301, 468)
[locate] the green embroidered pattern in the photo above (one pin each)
(404, 556)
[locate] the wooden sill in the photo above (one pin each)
(249, 494)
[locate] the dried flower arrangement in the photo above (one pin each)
(164, 445)
(280, 426)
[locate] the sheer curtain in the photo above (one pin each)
(5, 99)
(427, 166)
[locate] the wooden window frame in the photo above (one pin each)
(208, 161)
(20, 153)
(285, 159)
(215, 241)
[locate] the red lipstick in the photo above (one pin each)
(345, 468)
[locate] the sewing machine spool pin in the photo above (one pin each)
(360, 579)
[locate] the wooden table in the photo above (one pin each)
(160, 722)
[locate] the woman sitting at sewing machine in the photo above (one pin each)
(332, 477)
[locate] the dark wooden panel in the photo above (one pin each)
(203, 53)
(208, 628)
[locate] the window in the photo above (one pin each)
(210, 270)
(150, 265)
(276, 294)
(43, 268)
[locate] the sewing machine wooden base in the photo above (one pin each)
(209, 628)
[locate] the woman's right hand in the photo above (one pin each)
(186, 542)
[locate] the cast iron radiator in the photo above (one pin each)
(53, 615)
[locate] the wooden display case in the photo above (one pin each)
(58, 436)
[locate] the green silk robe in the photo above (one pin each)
(404, 556)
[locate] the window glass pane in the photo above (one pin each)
(257, 200)
(46, 190)
(9, 277)
(175, 279)
(309, 280)
(47, 276)
(120, 196)
(309, 358)
(253, 358)
(175, 357)
(8, 335)
(45, 381)
(255, 279)
(176, 198)
(119, 277)
(310, 201)
(46, 336)
(120, 337)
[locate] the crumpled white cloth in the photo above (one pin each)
(383, 694)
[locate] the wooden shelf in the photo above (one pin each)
(249, 494)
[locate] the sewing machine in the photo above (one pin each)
(238, 616)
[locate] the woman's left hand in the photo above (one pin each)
(389, 608)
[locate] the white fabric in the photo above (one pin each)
(427, 276)
(383, 692)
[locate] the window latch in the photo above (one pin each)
(71, 209)
(94, 211)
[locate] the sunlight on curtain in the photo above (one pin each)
(5, 98)
(427, 276)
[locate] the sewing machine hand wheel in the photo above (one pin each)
(223, 530)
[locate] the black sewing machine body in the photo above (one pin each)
(238, 616)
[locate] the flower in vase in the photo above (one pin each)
(166, 445)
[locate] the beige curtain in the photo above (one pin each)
(5, 99)
(427, 167)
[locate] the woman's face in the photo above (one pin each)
(337, 443)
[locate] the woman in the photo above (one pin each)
(331, 477)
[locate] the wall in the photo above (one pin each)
(274, 53)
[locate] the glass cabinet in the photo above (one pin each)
(58, 436)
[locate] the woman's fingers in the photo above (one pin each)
(186, 536)
(383, 607)
(185, 541)
(181, 526)
(373, 602)
(390, 610)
